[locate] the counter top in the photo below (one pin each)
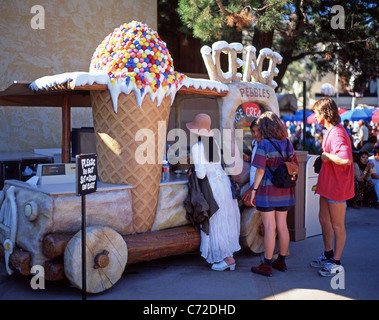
(176, 178)
(21, 155)
(63, 188)
(70, 188)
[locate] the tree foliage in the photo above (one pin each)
(295, 29)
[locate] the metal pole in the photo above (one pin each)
(338, 77)
(84, 250)
(304, 110)
(337, 84)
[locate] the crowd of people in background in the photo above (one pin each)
(363, 136)
(364, 142)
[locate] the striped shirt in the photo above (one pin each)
(268, 195)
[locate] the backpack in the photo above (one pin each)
(285, 175)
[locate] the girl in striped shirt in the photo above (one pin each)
(272, 202)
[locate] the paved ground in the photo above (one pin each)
(188, 277)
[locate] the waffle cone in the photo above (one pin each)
(116, 149)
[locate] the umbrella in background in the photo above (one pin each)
(299, 115)
(287, 118)
(355, 115)
(369, 111)
(375, 116)
(312, 118)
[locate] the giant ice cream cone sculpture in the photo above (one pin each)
(142, 87)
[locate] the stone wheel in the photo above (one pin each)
(252, 232)
(106, 258)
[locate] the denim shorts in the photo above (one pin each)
(332, 201)
(268, 209)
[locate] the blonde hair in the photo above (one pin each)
(270, 126)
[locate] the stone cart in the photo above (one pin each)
(40, 225)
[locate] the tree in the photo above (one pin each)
(295, 29)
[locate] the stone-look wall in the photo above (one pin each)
(73, 29)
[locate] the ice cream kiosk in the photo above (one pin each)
(133, 216)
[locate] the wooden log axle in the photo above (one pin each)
(160, 244)
(53, 244)
(141, 247)
(19, 260)
(54, 270)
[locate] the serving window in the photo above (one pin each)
(244, 115)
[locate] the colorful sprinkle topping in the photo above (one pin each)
(136, 54)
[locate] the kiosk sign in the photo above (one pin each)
(86, 183)
(251, 110)
(86, 173)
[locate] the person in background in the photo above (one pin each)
(318, 142)
(249, 156)
(254, 145)
(335, 185)
(362, 133)
(346, 126)
(348, 130)
(310, 143)
(290, 129)
(376, 131)
(297, 145)
(364, 188)
(370, 130)
(272, 202)
(375, 174)
(370, 144)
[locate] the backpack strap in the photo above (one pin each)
(289, 156)
(277, 149)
